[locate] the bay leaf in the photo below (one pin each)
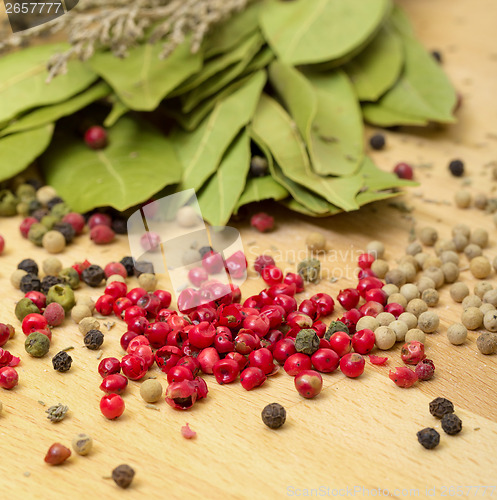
(227, 35)
(376, 114)
(142, 80)
(376, 179)
(399, 19)
(137, 163)
(371, 196)
(259, 189)
(222, 191)
(23, 80)
(294, 205)
(377, 68)
(301, 32)
(260, 61)
(18, 150)
(282, 138)
(312, 202)
(50, 114)
(118, 109)
(201, 151)
(223, 78)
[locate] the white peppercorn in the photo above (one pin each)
(479, 237)
(457, 334)
(462, 199)
(45, 194)
(449, 256)
(436, 274)
(444, 246)
(16, 277)
(409, 259)
(415, 335)
(417, 307)
(450, 272)
(367, 323)
(421, 258)
(409, 270)
(480, 267)
(52, 266)
(82, 444)
(148, 281)
(385, 318)
(482, 287)
(414, 248)
(53, 242)
(431, 297)
(472, 318)
(187, 217)
(487, 343)
(460, 242)
(84, 300)
(80, 312)
(396, 277)
(481, 200)
(485, 308)
(390, 289)
(490, 321)
(409, 319)
(151, 390)
(397, 298)
(315, 242)
(459, 291)
(425, 283)
(409, 291)
(471, 301)
(490, 297)
(494, 263)
(376, 248)
(400, 329)
(385, 338)
(380, 268)
(463, 229)
(472, 251)
(428, 236)
(87, 324)
(428, 322)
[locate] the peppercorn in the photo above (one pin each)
(39, 214)
(417, 307)
(36, 233)
(461, 228)
(431, 297)
(45, 194)
(54, 201)
(310, 270)
(25, 192)
(460, 242)
(400, 329)
(440, 407)
(8, 203)
(34, 206)
(377, 141)
(66, 229)
(482, 287)
(428, 321)
(143, 267)
(487, 343)
(123, 475)
(336, 326)
(480, 267)
(70, 276)
(57, 454)
(49, 221)
(456, 168)
(415, 335)
(471, 301)
(457, 334)
(366, 323)
(451, 424)
(30, 282)
(390, 289)
(16, 277)
(396, 277)
(187, 216)
(62, 362)
(384, 319)
(380, 268)
(63, 295)
(315, 242)
(79, 312)
(459, 291)
(490, 297)
(48, 282)
(307, 341)
(54, 314)
(436, 274)
(24, 307)
(472, 251)
(462, 198)
(119, 225)
(60, 210)
(274, 415)
(410, 291)
(376, 248)
(117, 277)
(151, 390)
(409, 319)
(472, 318)
(481, 201)
(82, 444)
(385, 338)
(129, 264)
(93, 275)
(52, 266)
(428, 437)
(37, 344)
(147, 281)
(486, 308)
(258, 166)
(94, 339)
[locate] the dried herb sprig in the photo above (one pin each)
(57, 412)
(119, 25)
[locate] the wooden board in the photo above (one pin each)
(358, 434)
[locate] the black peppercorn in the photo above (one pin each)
(336, 326)
(258, 166)
(62, 362)
(49, 281)
(33, 206)
(456, 168)
(143, 267)
(202, 251)
(123, 475)
(428, 437)
(66, 230)
(28, 265)
(30, 282)
(40, 213)
(129, 264)
(437, 55)
(440, 406)
(93, 275)
(377, 141)
(36, 183)
(54, 201)
(451, 424)
(274, 415)
(119, 225)
(94, 339)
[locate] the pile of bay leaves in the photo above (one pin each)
(292, 80)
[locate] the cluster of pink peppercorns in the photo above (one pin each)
(8, 374)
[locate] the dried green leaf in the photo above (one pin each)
(118, 109)
(142, 80)
(378, 66)
(294, 205)
(23, 80)
(371, 196)
(201, 151)
(380, 116)
(282, 138)
(260, 61)
(376, 179)
(18, 150)
(220, 195)
(261, 188)
(137, 163)
(49, 114)
(306, 33)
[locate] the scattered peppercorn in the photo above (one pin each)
(57, 454)
(94, 339)
(429, 438)
(123, 475)
(451, 424)
(274, 415)
(93, 275)
(96, 137)
(310, 270)
(487, 343)
(82, 444)
(24, 307)
(437, 55)
(307, 341)
(30, 282)
(66, 229)
(258, 166)
(28, 265)
(456, 168)
(441, 406)
(129, 264)
(48, 282)
(37, 344)
(151, 390)
(315, 242)
(53, 242)
(70, 276)
(336, 326)
(62, 362)
(63, 295)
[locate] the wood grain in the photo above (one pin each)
(357, 433)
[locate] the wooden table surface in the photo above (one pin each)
(357, 434)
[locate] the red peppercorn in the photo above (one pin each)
(109, 366)
(114, 383)
(425, 369)
(365, 260)
(294, 279)
(197, 276)
(138, 325)
(213, 262)
(363, 341)
(252, 377)
(369, 283)
(259, 324)
(395, 309)
(365, 273)
(181, 395)
(261, 262)
(284, 349)
(308, 383)
(352, 365)
(245, 342)
(135, 294)
(150, 241)
(263, 359)
(288, 303)
(262, 222)
(164, 297)
(202, 335)
(33, 322)
(133, 312)
(116, 289)
(309, 308)
(157, 334)
(26, 225)
(297, 362)
(226, 371)
(38, 298)
(377, 360)
(349, 298)
(102, 235)
(273, 337)
(149, 302)
(8, 377)
(145, 352)
(112, 406)
(299, 320)
(272, 275)
(325, 360)
(104, 305)
(376, 295)
(403, 376)
(371, 308)
(208, 358)
(188, 299)
(320, 328)
(137, 342)
(57, 454)
(191, 363)
(76, 220)
(404, 171)
(236, 265)
(178, 373)
(133, 367)
(412, 352)
(120, 306)
(223, 341)
(96, 137)
(340, 342)
(201, 387)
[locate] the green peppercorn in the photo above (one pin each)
(25, 192)
(8, 203)
(70, 277)
(307, 341)
(36, 233)
(49, 221)
(310, 270)
(37, 344)
(63, 295)
(60, 210)
(24, 307)
(336, 326)
(22, 208)
(274, 415)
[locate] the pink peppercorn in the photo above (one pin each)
(404, 171)
(340, 342)
(150, 241)
(363, 341)
(272, 275)
(263, 359)
(38, 298)
(114, 383)
(54, 314)
(412, 352)
(308, 383)
(252, 377)
(96, 137)
(33, 322)
(102, 235)
(261, 262)
(112, 406)
(297, 362)
(76, 220)
(395, 309)
(262, 222)
(208, 358)
(325, 360)
(226, 370)
(178, 373)
(425, 369)
(294, 279)
(352, 365)
(365, 260)
(115, 268)
(349, 298)
(181, 395)
(26, 225)
(9, 378)
(99, 219)
(403, 376)
(133, 367)
(109, 366)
